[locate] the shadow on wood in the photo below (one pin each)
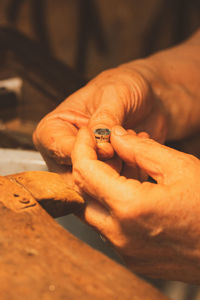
(41, 260)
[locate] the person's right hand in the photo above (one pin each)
(120, 96)
(153, 226)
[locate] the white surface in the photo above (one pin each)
(12, 84)
(15, 161)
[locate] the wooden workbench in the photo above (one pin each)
(41, 260)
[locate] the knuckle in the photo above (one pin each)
(125, 208)
(40, 129)
(190, 163)
(112, 80)
(124, 213)
(78, 174)
(104, 117)
(36, 138)
(45, 143)
(38, 134)
(136, 202)
(109, 73)
(193, 159)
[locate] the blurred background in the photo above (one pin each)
(48, 49)
(93, 35)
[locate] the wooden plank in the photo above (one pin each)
(51, 190)
(41, 260)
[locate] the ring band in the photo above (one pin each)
(102, 135)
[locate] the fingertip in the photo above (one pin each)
(119, 135)
(105, 151)
(118, 131)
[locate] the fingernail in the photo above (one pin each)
(118, 130)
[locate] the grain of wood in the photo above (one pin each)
(41, 260)
(51, 191)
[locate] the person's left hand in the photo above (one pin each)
(155, 227)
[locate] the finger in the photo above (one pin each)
(157, 130)
(55, 135)
(115, 163)
(97, 216)
(105, 151)
(110, 112)
(131, 131)
(133, 171)
(162, 163)
(97, 178)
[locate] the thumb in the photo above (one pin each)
(162, 163)
(110, 112)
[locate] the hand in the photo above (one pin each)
(118, 96)
(155, 227)
(159, 95)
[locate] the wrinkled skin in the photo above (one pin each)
(117, 96)
(155, 227)
(159, 95)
